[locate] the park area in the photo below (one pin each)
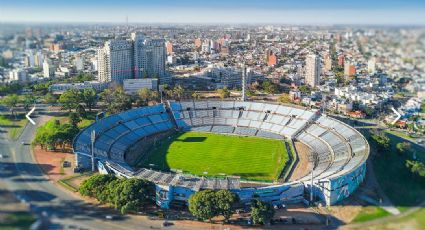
(211, 154)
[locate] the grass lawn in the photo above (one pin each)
(251, 158)
(404, 189)
(85, 121)
(370, 213)
(400, 134)
(12, 126)
(414, 221)
(17, 220)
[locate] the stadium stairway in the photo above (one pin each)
(170, 114)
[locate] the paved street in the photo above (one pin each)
(63, 209)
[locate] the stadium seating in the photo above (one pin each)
(116, 133)
(337, 152)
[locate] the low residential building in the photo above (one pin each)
(132, 86)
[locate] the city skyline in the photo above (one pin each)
(188, 11)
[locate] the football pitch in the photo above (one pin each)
(211, 154)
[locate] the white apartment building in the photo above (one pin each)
(115, 61)
(312, 70)
(132, 86)
(48, 70)
(371, 66)
(18, 75)
(137, 58)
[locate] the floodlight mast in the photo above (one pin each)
(93, 138)
(243, 82)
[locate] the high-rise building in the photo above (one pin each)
(169, 46)
(139, 52)
(341, 60)
(156, 57)
(38, 59)
(135, 58)
(312, 70)
(328, 62)
(18, 75)
(48, 70)
(205, 48)
(198, 43)
(115, 61)
(79, 63)
(371, 66)
(271, 58)
(349, 69)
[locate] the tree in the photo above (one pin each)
(28, 100)
(416, 167)
(196, 96)
(131, 194)
(178, 92)
(202, 205)
(269, 87)
(145, 96)
(74, 119)
(261, 212)
(381, 140)
(95, 185)
(116, 100)
(70, 99)
(403, 147)
(50, 99)
(284, 98)
(89, 98)
(250, 93)
(225, 201)
(11, 101)
(223, 93)
(53, 133)
(80, 110)
(304, 89)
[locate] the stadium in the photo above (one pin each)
(279, 153)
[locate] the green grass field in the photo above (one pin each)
(16, 220)
(13, 126)
(370, 213)
(251, 158)
(404, 189)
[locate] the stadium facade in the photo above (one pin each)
(338, 152)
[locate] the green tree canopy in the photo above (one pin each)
(403, 147)
(11, 101)
(116, 100)
(223, 93)
(178, 92)
(202, 205)
(416, 167)
(50, 99)
(70, 99)
(225, 201)
(261, 212)
(28, 101)
(95, 185)
(131, 194)
(145, 96)
(381, 140)
(207, 204)
(89, 98)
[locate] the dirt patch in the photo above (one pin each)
(51, 163)
(345, 212)
(303, 166)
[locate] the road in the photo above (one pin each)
(59, 208)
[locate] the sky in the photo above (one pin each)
(318, 12)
